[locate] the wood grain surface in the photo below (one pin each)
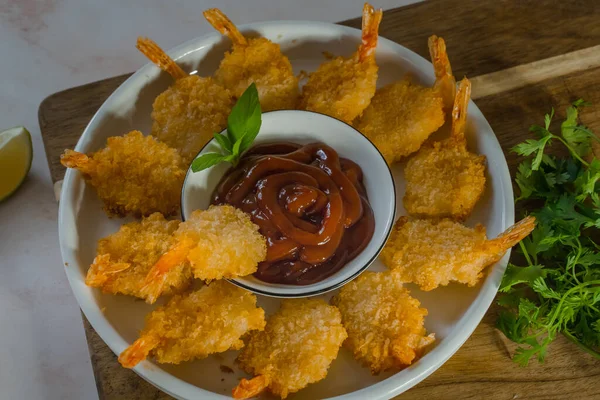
(483, 38)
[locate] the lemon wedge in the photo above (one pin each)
(16, 154)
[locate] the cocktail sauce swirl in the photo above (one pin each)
(309, 203)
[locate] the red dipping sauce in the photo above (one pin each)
(309, 203)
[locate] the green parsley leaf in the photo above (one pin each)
(548, 119)
(531, 146)
(585, 184)
(515, 275)
(577, 137)
(596, 326)
(541, 287)
(581, 103)
(511, 325)
(524, 180)
(206, 161)
(548, 160)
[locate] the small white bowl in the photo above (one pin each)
(307, 127)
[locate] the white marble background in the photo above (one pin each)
(51, 45)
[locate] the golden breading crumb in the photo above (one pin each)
(400, 118)
(133, 174)
(296, 348)
(384, 323)
(192, 326)
(255, 60)
(219, 243)
(124, 258)
(434, 253)
(342, 87)
(189, 112)
(444, 181)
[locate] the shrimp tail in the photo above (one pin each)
(138, 351)
(221, 23)
(459, 112)
(77, 160)
(250, 388)
(157, 276)
(370, 32)
(445, 83)
(513, 235)
(101, 269)
(157, 55)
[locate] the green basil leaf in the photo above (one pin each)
(248, 139)
(236, 147)
(232, 158)
(224, 142)
(245, 116)
(206, 161)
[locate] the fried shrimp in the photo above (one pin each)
(384, 323)
(191, 110)
(194, 325)
(124, 258)
(402, 115)
(133, 174)
(343, 87)
(434, 253)
(221, 242)
(296, 348)
(400, 118)
(445, 179)
(255, 60)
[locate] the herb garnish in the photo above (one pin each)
(243, 125)
(558, 291)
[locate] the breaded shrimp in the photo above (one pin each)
(191, 326)
(434, 253)
(402, 115)
(445, 179)
(133, 174)
(400, 118)
(255, 60)
(296, 348)
(221, 242)
(343, 87)
(191, 110)
(124, 258)
(384, 323)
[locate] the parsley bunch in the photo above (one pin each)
(558, 290)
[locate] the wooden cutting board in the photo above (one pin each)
(524, 57)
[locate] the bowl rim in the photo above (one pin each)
(334, 285)
(384, 389)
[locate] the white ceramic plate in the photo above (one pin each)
(454, 311)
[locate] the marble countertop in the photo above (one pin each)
(48, 46)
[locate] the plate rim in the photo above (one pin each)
(384, 389)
